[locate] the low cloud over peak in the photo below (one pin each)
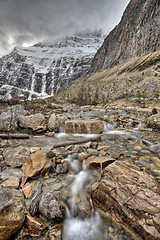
(25, 22)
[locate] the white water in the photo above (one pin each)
(75, 227)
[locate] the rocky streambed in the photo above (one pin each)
(84, 173)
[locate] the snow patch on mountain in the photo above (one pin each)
(42, 70)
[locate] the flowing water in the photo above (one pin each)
(79, 224)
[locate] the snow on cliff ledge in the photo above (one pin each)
(44, 69)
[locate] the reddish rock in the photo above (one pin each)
(27, 190)
(35, 164)
(11, 182)
(82, 156)
(131, 197)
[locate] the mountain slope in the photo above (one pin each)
(42, 70)
(138, 78)
(137, 33)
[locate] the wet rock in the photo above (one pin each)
(138, 148)
(92, 151)
(84, 126)
(104, 148)
(35, 164)
(54, 233)
(62, 168)
(33, 227)
(53, 123)
(98, 162)
(11, 182)
(50, 134)
(9, 119)
(12, 212)
(27, 190)
(155, 160)
(154, 122)
(131, 198)
(34, 149)
(51, 207)
(82, 156)
(154, 111)
(15, 157)
(36, 122)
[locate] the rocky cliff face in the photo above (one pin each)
(43, 69)
(137, 34)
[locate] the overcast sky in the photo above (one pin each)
(26, 22)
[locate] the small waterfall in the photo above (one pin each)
(88, 128)
(32, 87)
(75, 226)
(107, 127)
(43, 90)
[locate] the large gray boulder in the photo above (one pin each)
(51, 207)
(36, 122)
(53, 123)
(15, 157)
(9, 119)
(154, 121)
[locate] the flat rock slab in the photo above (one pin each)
(131, 197)
(84, 126)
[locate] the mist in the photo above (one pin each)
(26, 22)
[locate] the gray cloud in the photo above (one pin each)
(25, 22)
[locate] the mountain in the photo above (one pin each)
(42, 70)
(138, 33)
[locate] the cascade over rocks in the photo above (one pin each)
(84, 126)
(12, 212)
(131, 197)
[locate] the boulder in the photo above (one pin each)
(84, 126)
(15, 157)
(33, 227)
(36, 122)
(12, 212)
(53, 123)
(36, 163)
(51, 207)
(9, 119)
(131, 198)
(154, 122)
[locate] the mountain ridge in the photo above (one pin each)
(137, 33)
(43, 69)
